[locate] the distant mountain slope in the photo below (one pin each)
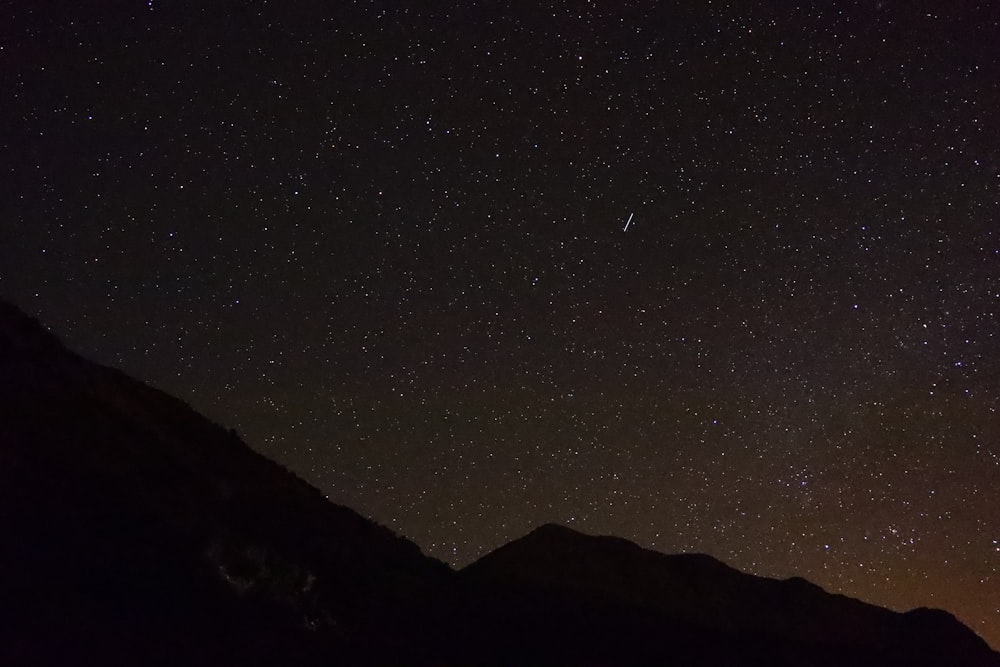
(133, 526)
(743, 618)
(136, 532)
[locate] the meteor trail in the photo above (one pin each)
(628, 221)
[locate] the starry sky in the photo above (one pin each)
(386, 242)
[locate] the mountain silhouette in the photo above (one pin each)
(136, 531)
(716, 614)
(135, 527)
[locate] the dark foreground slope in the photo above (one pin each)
(135, 531)
(594, 600)
(135, 528)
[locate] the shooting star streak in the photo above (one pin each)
(628, 221)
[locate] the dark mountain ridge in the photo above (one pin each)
(137, 531)
(695, 589)
(122, 501)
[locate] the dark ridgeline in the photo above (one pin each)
(132, 526)
(137, 532)
(595, 594)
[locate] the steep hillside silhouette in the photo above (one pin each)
(136, 531)
(135, 527)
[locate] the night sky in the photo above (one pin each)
(386, 242)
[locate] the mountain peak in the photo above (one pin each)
(131, 519)
(553, 527)
(707, 596)
(551, 542)
(555, 531)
